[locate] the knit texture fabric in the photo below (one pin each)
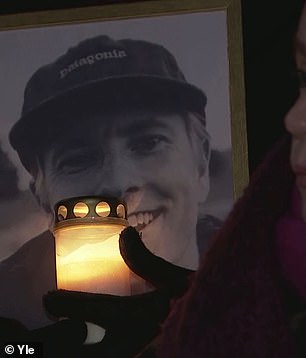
(235, 304)
(291, 245)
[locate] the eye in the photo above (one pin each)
(148, 144)
(76, 161)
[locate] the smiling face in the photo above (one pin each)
(148, 160)
(295, 121)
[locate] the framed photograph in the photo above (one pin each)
(178, 62)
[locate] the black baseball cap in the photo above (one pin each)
(105, 72)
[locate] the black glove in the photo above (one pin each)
(298, 328)
(131, 322)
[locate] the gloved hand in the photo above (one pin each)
(298, 328)
(131, 322)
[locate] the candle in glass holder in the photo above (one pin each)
(87, 249)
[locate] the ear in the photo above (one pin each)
(40, 196)
(204, 181)
(204, 184)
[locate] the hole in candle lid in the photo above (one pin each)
(121, 211)
(80, 210)
(62, 213)
(103, 209)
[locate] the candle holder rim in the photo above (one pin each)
(91, 203)
(90, 221)
(89, 197)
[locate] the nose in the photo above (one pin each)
(119, 177)
(295, 120)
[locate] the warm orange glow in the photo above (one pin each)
(88, 259)
(103, 209)
(120, 211)
(80, 210)
(62, 212)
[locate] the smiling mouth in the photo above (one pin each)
(141, 219)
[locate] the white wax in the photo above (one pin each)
(88, 260)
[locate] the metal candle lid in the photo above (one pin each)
(89, 210)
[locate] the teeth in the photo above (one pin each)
(146, 218)
(140, 219)
(132, 220)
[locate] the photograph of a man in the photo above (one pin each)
(119, 110)
(113, 118)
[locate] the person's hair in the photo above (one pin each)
(200, 142)
(197, 133)
(238, 282)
